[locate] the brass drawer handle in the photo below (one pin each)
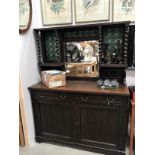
(85, 99)
(42, 96)
(63, 97)
(110, 101)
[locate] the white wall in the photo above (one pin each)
(28, 64)
(28, 73)
(130, 77)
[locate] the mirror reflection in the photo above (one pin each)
(82, 58)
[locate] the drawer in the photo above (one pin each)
(44, 95)
(99, 99)
(79, 98)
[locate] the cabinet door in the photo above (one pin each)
(55, 117)
(102, 125)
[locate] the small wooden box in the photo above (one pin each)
(53, 78)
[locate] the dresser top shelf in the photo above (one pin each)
(83, 87)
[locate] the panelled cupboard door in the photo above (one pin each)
(55, 120)
(101, 125)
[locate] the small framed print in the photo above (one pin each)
(91, 10)
(56, 12)
(25, 15)
(123, 10)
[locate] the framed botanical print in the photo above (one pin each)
(25, 15)
(123, 10)
(56, 12)
(91, 10)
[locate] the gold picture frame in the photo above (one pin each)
(25, 15)
(92, 10)
(56, 12)
(123, 10)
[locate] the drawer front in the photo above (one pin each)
(100, 99)
(80, 98)
(51, 96)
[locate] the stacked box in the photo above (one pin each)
(53, 78)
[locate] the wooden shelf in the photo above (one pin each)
(51, 64)
(113, 65)
(83, 25)
(131, 68)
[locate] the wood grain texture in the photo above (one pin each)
(21, 134)
(81, 115)
(89, 87)
(23, 114)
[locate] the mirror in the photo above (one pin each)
(82, 58)
(25, 15)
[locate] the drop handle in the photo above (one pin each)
(41, 96)
(63, 97)
(108, 102)
(84, 99)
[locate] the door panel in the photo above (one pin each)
(99, 125)
(57, 120)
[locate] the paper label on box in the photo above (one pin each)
(55, 83)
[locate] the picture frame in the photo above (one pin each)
(123, 10)
(56, 12)
(92, 10)
(25, 15)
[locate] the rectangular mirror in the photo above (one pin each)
(82, 58)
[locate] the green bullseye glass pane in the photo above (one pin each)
(50, 44)
(113, 39)
(81, 33)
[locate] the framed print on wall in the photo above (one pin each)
(56, 12)
(91, 10)
(123, 10)
(25, 15)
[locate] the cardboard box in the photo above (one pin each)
(53, 78)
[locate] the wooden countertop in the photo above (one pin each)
(83, 87)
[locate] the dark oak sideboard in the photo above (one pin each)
(82, 115)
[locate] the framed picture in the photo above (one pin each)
(91, 10)
(123, 10)
(25, 15)
(56, 12)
